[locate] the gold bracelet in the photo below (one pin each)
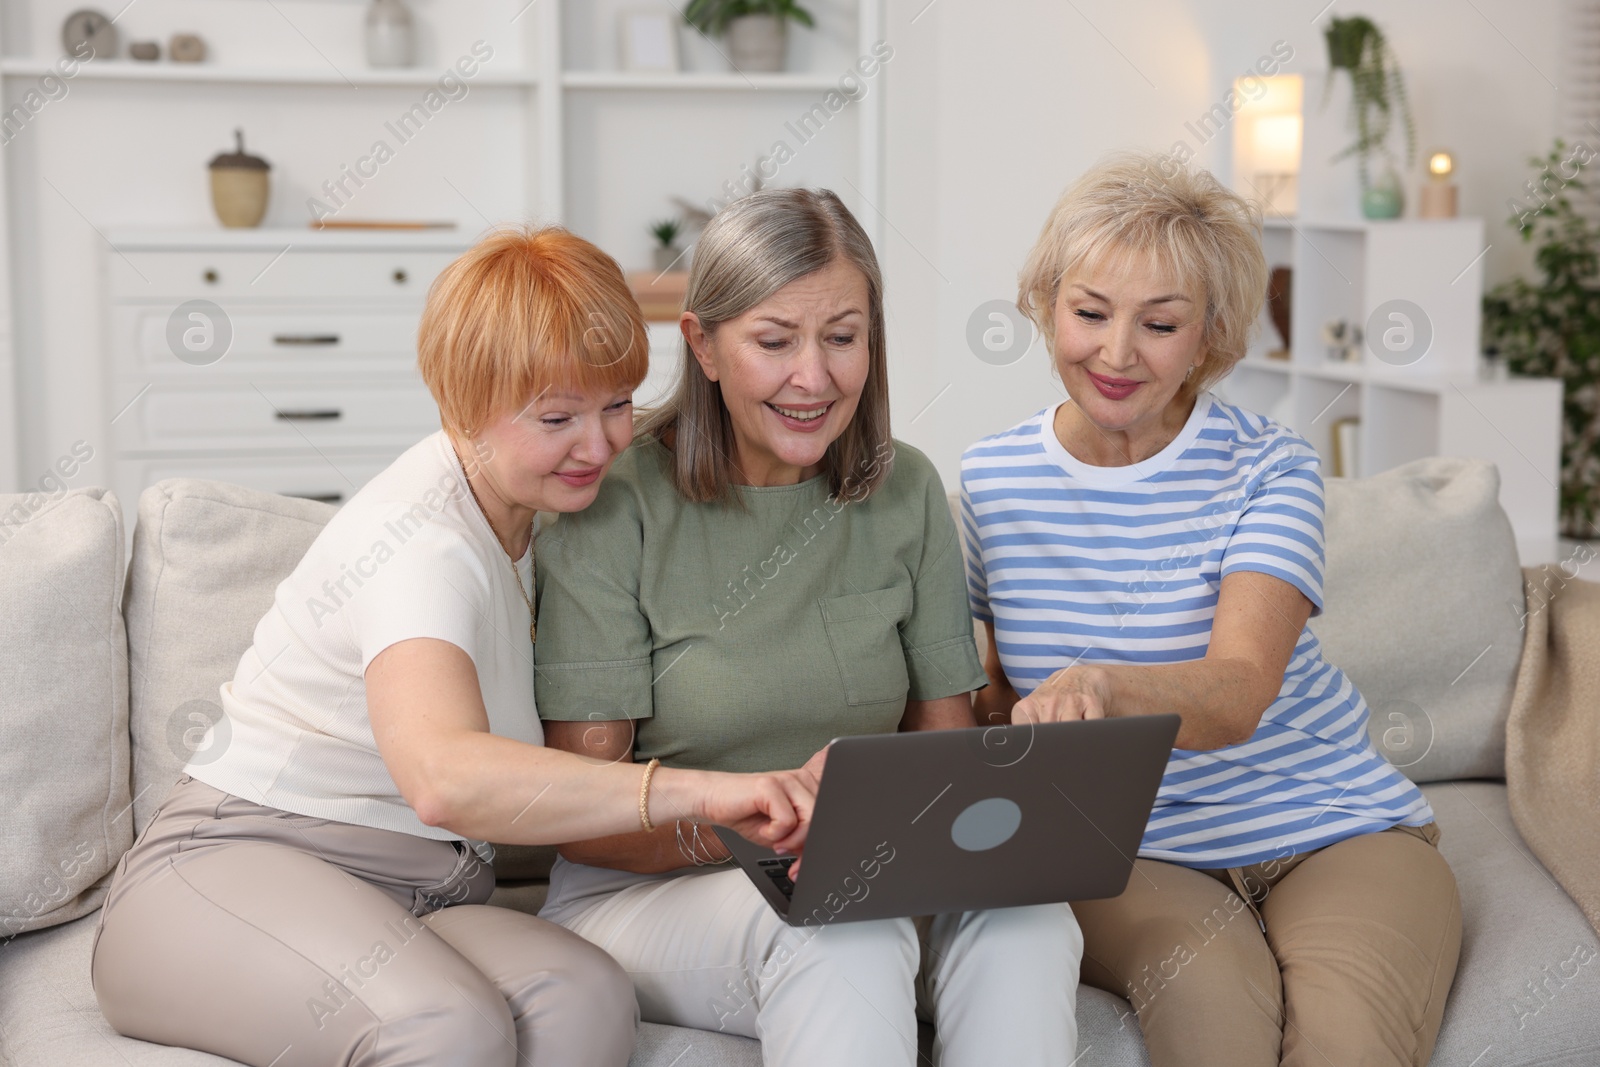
(644, 795)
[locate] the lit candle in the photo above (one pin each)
(1439, 194)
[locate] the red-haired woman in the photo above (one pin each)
(314, 894)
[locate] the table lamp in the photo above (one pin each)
(1275, 148)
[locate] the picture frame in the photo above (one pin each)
(647, 40)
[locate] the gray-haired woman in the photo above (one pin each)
(765, 570)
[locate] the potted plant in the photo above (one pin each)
(757, 30)
(1551, 329)
(667, 251)
(1377, 94)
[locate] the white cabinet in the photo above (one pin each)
(1402, 282)
(295, 372)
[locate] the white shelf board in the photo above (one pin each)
(1333, 371)
(1364, 374)
(277, 238)
(166, 71)
(1352, 225)
(1297, 224)
(611, 79)
(1269, 366)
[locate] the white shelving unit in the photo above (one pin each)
(600, 150)
(1440, 404)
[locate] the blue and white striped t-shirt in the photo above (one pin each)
(1073, 563)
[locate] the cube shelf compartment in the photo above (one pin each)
(1438, 404)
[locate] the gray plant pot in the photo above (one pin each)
(669, 258)
(756, 43)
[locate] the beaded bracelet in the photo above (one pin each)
(644, 795)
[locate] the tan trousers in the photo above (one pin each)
(279, 939)
(1341, 956)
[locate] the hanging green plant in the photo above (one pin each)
(1378, 89)
(1551, 329)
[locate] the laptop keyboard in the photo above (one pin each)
(777, 869)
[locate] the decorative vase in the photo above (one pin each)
(239, 186)
(669, 257)
(1384, 198)
(1278, 306)
(756, 43)
(391, 38)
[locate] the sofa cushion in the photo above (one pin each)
(1424, 612)
(207, 558)
(1525, 986)
(63, 705)
(50, 1018)
(1530, 964)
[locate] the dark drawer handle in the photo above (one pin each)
(305, 338)
(311, 415)
(321, 498)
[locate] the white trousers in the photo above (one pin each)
(705, 950)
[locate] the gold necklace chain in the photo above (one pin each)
(516, 575)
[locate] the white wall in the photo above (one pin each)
(994, 108)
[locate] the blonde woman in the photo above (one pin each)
(767, 570)
(1144, 547)
(315, 894)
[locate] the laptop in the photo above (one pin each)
(941, 821)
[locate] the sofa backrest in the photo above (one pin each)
(207, 558)
(63, 706)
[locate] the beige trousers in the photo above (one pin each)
(1343, 955)
(283, 940)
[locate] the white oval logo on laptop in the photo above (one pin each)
(986, 824)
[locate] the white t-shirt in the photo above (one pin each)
(409, 556)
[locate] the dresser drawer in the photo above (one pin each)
(175, 276)
(333, 479)
(293, 340)
(266, 415)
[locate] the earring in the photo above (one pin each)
(1189, 373)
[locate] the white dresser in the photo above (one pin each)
(282, 360)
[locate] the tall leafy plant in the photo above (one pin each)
(1377, 89)
(1551, 328)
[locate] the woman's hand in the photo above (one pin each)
(773, 810)
(812, 772)
(1067, 696)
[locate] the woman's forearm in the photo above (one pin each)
(655, 852)
(991, 705)
(1220, 701)
(496, 789)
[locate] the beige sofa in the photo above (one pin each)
(108, 675)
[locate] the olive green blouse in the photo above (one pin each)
(745, 639)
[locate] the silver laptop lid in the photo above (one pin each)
(958, 820)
